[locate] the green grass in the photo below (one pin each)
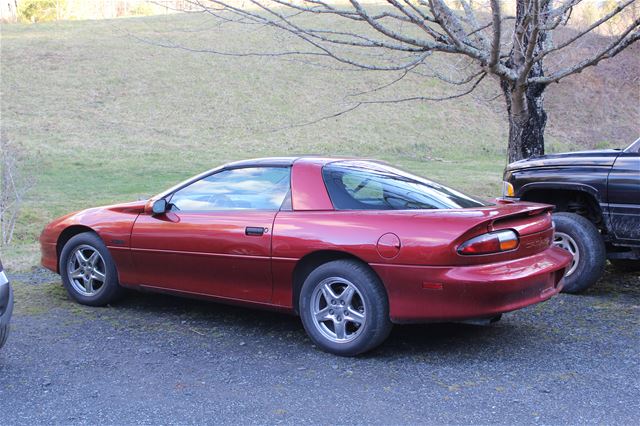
(106, 118)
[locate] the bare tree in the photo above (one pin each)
(13, 187)
(517, 50)
(8, 11)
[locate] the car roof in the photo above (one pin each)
(288, 161)
(260, 162)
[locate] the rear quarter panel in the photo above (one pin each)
(426, 237)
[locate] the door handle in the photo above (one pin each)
(254, 231)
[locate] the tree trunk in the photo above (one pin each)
(527, 120)
(525, 101)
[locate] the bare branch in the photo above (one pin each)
(378, 26)
(497, 33)
(560, 14)
(401, 35)
(451, 24)
(383, 101)
(383, 86)
(471, 19)
(531, 43)
(13, 187)
(430, 98)
(580, 34)
(317, 120)
(627, 38)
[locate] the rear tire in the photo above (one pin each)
(344, 308)
(581, 238)
(88, 271)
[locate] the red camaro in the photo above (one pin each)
(351, 246)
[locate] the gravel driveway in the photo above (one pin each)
(160, 359)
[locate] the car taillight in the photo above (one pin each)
(493, 242)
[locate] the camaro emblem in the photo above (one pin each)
(540, 242)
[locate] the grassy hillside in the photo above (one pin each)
(104, 117)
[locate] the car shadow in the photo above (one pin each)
(616, 283)
(529, 329)
(443, 339)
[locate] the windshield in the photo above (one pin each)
(365, 185)
(634, 147)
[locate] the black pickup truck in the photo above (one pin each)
(596, 195)
(6, 305)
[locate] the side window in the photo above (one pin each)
(251, 188)
(365, 186)
(362, 188)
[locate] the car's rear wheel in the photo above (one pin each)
(88, 271)
(581, 238)
(344, 308)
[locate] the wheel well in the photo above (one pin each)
(569, 201)
(310, 262)
(65, 236)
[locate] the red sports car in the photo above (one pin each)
(351, 246)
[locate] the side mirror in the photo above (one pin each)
(159, 206)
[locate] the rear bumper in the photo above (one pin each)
(6, 300)
(424, 294)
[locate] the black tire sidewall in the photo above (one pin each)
(377, 326)
(4, 334)
(110, 290)
(591, 247)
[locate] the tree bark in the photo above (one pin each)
(525, 100)
(527, 120)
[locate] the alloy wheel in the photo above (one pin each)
(338, 309)
(564, 241)
(86, 270)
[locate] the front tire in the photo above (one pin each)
(4, 333)
(88, 271)
(344, 308)
(581, 238)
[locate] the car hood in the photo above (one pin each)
(96, 218)
(602, 157)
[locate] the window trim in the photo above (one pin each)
(168, 194)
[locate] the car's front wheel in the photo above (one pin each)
(581, 238)
(4, 333)
(88, 271)
(344, 308)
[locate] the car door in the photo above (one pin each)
(216, 237)
(624, 195)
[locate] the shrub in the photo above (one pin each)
(14, 184)
(40, 10)
(142, 9)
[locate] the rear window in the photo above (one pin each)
(362, 185)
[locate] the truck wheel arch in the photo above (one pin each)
(581, 199)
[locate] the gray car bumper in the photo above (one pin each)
(6, 299)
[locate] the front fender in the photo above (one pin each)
(567, 186)
(113, 224)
